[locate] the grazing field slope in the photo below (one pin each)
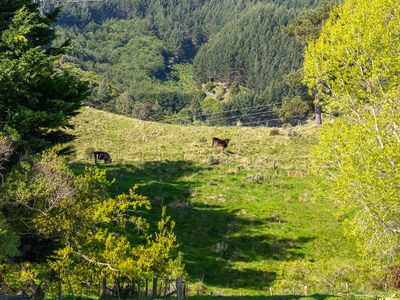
(247, 220)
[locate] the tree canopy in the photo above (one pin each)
(355, 65)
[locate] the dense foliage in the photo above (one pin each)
(355, 65)
(55, 225)
(254, 53)
(36, 99)
(305, 28)
(137, 47)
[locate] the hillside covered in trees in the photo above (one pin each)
(184, 61)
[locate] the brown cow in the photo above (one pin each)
(219, 143)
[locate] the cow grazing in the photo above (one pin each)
(219, 143)
(100, 155)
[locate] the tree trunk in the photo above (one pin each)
(179, 288)
(154, 288)
(318, 111)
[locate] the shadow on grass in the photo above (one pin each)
(212, 238)
(277, 297)
(158, 180)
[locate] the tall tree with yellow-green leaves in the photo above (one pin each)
(355, 64)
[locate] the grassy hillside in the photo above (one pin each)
(247, 221)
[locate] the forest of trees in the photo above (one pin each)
(156, 60)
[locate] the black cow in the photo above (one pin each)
(100, 155)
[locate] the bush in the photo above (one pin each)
(234, 88)
(90, 227)
(295, 108)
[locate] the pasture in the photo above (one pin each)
(248, 222)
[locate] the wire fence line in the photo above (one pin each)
(69, 1)
(262, 123)
(220, 112)
(260, 114)
(267, 121)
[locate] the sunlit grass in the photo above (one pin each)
(244, 217)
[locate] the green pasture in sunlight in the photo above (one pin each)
(248, 221)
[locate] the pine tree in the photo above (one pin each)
(37, 98)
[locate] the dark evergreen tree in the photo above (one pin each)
(305, 28)
(252, 51)
(37, 98)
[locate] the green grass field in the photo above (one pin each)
(247, 221)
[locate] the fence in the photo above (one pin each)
(142, 289)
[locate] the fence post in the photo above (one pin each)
(306, 290)
(118, 284)
(138, 289)
(147, 288)
(154, 288)
(179, 288)
(59, 289)
(165, 287)
(133, 288)
(105, 290)
(185, 290)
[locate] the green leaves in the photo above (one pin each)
(354, 65)
(351, 59)
(96, 236)
(17, 36)
(9, 241)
